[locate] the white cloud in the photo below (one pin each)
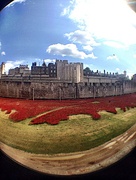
(113, 57)
(130, 73)
(105, 19)
(114, 44)
(88, 48)
(68, 50)
(134, 55)
(117, 69)
(91, 66)
(49, 60)
(40, 61)
(81, 37)
(67, 10)
(12, 64)
(15, 1)
(3, 53)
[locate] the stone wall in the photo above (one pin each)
(63, 90)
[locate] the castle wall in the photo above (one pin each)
(63, 90)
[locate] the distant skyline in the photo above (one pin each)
(99, 34)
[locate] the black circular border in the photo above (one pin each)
(124, 169)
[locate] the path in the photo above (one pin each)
(76, 163)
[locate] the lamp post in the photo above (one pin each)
(33, 93)
(60, 94)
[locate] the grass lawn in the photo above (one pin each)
(78, 133)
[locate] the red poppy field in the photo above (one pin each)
(54, 126)
(54, 111)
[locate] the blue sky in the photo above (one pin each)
(100, 34)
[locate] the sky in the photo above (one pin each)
(99, 34)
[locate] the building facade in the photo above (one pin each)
(62, 80)
(21, 70)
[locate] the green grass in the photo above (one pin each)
(78, 133)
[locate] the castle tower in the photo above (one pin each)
(125, 73)
(77, 72)
(2, 68)
(69, 71)
(61, 69)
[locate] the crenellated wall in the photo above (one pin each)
(63, 90)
